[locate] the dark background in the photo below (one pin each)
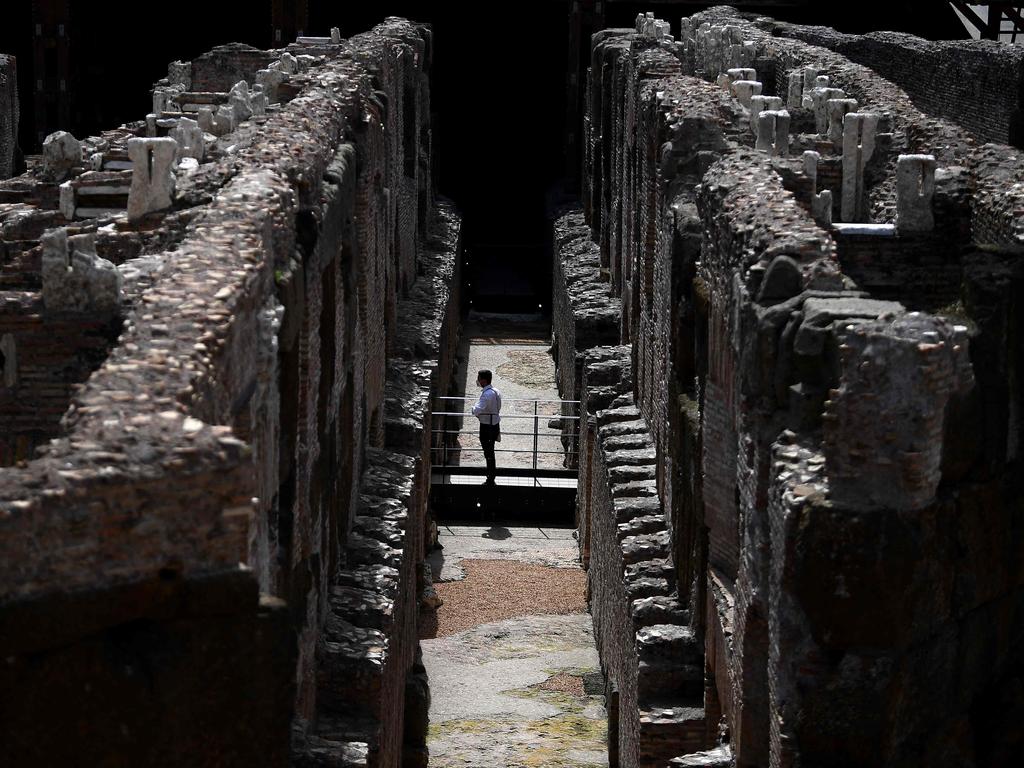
(499, 93)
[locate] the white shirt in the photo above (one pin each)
(488, 407)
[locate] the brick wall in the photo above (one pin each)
(920, 272)
(973, 83)
(220, 68)
(584, 314)
(746, 379)
(261, 405)
(44, 358)
(8, 115)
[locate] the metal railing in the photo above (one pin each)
(447, 448)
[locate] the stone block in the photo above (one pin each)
(239, 100)
(62, 152)
(271, 80)
(821, 202)
(75, 279)
(152, 187)
(837, 110)
(820, 97)
(744, 90)
(189, 137)
(773, 132)
(907, 368)
(859, 130)
(795, 90)
(915, 190)
(759, 104)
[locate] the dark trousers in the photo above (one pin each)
(488, 433)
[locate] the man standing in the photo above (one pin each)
(488, 410)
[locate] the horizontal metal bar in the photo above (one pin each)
(517, 400)
(527, 451)
(504, 471)
(548, 435)
(509, 416)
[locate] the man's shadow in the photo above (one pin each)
(497, 532)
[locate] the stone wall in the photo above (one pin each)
(787, 394)
(221, 67)
(974, 83)
(8, 115)
(44, 358)
(583, 314)
(248, 396)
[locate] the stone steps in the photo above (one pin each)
(635, 488)
(362, 607)
(645, 546)
(351, 668)
(647, 586)
(668, 725)
(379, 579)
(626, 508)
(669, 658)
(390, 532)
(659, 569)
(356, 641)
(658, 609)
(366, 550)
(640, 525)
(336, 742)
(668, 642)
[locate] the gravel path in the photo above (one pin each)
(493, 590)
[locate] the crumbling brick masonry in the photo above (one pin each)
(799, 492)
(8, 115)
(215, 431)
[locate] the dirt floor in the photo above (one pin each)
(514, 673)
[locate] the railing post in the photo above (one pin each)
(535, 435)
(443, 426)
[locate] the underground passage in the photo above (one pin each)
(352, 416)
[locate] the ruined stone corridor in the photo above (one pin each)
(760, 488)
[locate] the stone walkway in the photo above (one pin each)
(525, 690)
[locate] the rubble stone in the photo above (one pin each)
(152, 175)
(61, 153)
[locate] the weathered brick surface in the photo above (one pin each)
(221, 67)
(974, 83)
(72, 660)
(9, 115)
(778, 370)
(44, 358)
(583, 315)
(648, 649)
(262, 402)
